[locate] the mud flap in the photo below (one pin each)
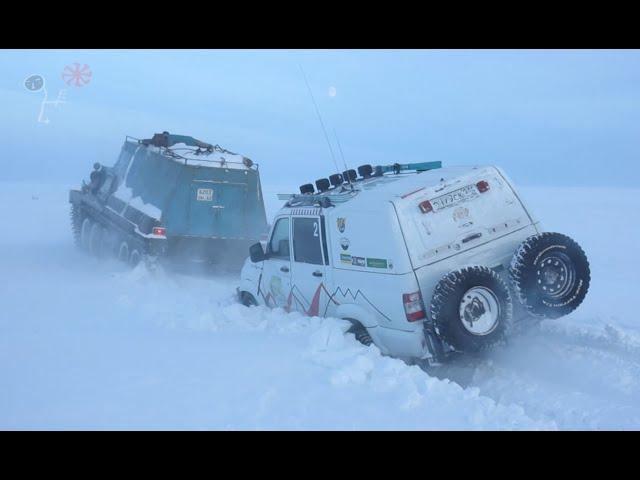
(434, 344)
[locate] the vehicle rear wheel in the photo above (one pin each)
(550, 274)
(471, 308)
(85, 234)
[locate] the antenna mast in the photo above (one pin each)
(324, 130)
(343, 160)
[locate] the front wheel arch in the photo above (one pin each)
(356, 313)
(247, 299)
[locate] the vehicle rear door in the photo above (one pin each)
(455, 217)
(217, 209)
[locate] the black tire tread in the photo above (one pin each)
(360, 332)
(523, 259)
(446, 292)
(76, 223)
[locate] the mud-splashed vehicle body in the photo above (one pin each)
(171, 197)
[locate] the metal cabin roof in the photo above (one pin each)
(218, 158)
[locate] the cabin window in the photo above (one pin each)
(279, 243)
(306, 241)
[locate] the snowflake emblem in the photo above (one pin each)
(76, 75)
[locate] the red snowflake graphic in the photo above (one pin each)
(76, 75)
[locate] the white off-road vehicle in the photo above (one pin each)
(422, 260)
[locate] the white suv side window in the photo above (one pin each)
(306, 241)
(279, 244)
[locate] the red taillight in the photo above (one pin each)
(426, 207)
(160, 231)
(413, 306)
(483, 186)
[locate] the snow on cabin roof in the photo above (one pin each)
(185, 154)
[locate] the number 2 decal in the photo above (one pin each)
(315, 229)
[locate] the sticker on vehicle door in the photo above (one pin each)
(345, 258)
(275, 287)
(205, 195)
(376, 263)
(358, 261)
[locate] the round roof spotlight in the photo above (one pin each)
(350, 175)
(365, 170)
(306, 188)
(336, 179)
(322, 185)
(247, 162)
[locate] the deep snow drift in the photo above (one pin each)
(90, 344)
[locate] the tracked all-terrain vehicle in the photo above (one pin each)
(173, 198)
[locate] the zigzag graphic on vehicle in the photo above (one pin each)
(300, 301)
(353, 296)
(314, 306)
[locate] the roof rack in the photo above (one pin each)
(166, 141)
(403, 167)
(334, 196)
(324, 200)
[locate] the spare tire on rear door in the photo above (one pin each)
(472, 308)
(551, 274)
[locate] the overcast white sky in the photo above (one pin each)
(547, 117)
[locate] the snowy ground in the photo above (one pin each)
(88, 344)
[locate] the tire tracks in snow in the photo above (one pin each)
(575, 376)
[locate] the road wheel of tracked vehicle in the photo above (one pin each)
(550, 274)
(96, 238)
(123, 252)
(472, 308)
(85, 234)
(135, 258)
(248, 300)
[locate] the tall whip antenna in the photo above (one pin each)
(344, 162)
(324, 130)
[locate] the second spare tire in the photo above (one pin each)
(550, 274)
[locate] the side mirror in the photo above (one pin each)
(256, 253)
